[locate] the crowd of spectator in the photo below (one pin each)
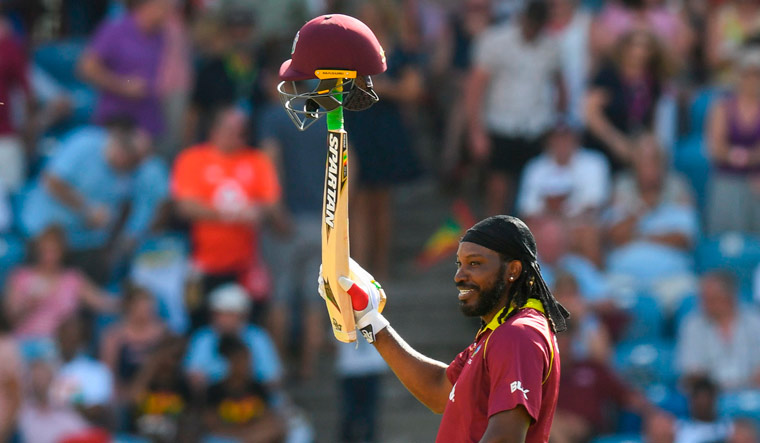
(159, 213)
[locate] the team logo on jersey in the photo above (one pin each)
(517, 386)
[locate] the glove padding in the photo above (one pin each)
(367, 299)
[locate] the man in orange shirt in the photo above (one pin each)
(225, 189)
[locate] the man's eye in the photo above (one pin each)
(474, 263)
(458, 263)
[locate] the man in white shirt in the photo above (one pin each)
(579, 176)
(515, 84)
(569, 185)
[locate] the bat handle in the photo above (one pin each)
(359, 298)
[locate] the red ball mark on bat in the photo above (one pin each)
(359, 298)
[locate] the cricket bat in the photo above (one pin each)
(335, 244)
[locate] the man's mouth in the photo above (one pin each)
(465, 293)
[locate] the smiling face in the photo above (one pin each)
(482, 278)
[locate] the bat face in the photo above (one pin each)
(335, 248)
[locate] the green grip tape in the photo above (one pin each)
(335, 117)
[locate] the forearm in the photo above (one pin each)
(194, 210)
(477, 82)
(605, 131)
(424, 377)
(94, 72)
(65, 193)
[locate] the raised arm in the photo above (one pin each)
(424, 377)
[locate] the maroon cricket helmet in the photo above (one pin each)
(333, 41)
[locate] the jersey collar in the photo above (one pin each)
(498, 319)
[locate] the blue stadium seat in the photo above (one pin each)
(690, 159)
(12, 253)
(59, 59)
(744, 404)
(734, 251)
(647, 321)
(619, 438)
(645, 363)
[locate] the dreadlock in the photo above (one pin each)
(528, 285)
(512, 239)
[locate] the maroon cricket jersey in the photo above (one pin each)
(509, 364)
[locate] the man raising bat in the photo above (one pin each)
(503, 387)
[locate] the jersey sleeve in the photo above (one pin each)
(455, 367)
(516, 359)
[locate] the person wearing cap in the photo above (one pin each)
(230, 306)
(504, 386)
(733, 140)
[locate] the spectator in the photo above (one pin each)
(162, 406)
(566, 180)
(718, 341)
(733, 138)
(88, 205)
(46, 293)
(123, 62)
(238, 406)
(294, 249)
(360, 369)
(81, 381)
(161, 265)
(620, 17)
(60, 420)
(203, 362)
(744, 431)
(570, 24)
(653, 224)
(570, 183)
(227, 76)
(226, 190)
(382, 137)
(588, 389)
(591, 340)
(10, 381)
(174, 78)
(703, 424)
(510, 104)
(623, 95)
(13, 75)
(728, 27)
(127, 345)
(449, 64)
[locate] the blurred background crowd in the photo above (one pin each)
(159, 212)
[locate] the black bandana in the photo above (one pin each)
(506, 235)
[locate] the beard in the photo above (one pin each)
(488, 298)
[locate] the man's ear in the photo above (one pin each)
(514, 269)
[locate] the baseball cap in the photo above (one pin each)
(229, 298)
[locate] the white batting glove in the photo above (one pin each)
(367, 298)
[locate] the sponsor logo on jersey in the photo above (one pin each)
(517, 386)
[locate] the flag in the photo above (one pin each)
(445, 240)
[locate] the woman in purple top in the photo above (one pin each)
(733, 135)
(123, 61)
